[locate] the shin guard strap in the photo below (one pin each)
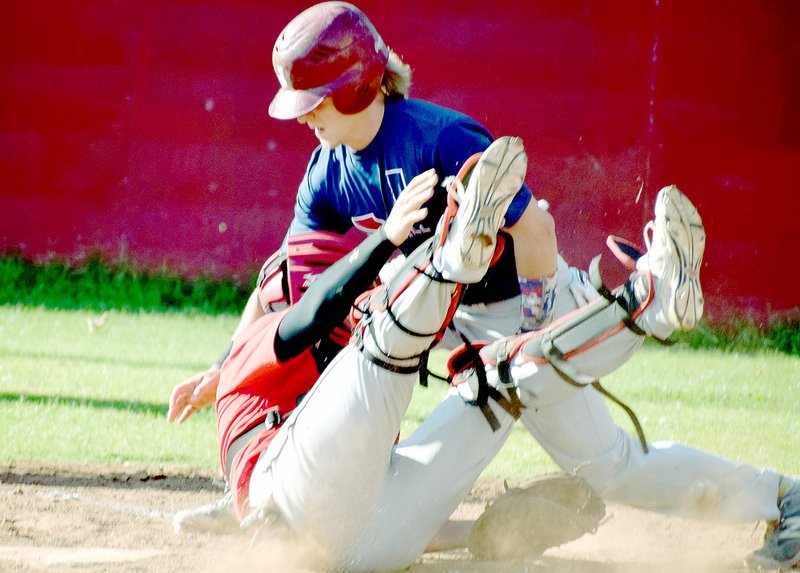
(628, 410)
(575, 377)
(626, 299)
(378, 361)
(513, 406)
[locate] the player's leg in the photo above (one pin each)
(500, 319)
(431, 472)
(327, 466)
(571, 419)
(434, 469)
(578, 432)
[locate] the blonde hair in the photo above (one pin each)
(397, 77)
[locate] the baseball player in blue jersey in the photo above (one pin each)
(339, 79)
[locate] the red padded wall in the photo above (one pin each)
(139, 129)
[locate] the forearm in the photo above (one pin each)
(329, 299)
(252, 312)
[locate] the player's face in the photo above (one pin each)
(331, 127)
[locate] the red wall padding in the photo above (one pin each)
(139, 129)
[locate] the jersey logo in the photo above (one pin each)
(367, 223)
(396, 180)
(308, 279)
(419, 230)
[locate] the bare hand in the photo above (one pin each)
(193, 394)
(408, 209)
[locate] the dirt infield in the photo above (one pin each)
(98, 519)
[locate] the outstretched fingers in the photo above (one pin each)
(193, 394)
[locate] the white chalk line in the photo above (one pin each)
(107, 503)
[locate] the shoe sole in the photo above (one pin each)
(496, 178)
(759, 563)
(687, 238)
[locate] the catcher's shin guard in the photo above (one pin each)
(401, 326)
(585, 328)
(400, 321)
(566, 338)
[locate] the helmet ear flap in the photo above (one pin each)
(355, 96)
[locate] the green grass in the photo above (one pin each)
(102, 285)
(68, 394)
(744, 406)
(739, 335)
(98, 285)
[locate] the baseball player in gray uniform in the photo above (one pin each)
(555, 369)
(553, 374)
(333, 474)
(340, 439)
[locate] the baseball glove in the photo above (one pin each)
(545, 512)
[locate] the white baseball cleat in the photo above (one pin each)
(674, 255)
(217, 517)
(493, 179)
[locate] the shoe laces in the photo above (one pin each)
(455, 188)
(226, 500)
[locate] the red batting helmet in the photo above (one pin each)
(330, 49)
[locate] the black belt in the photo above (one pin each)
(272, 419)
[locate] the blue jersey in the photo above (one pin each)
(343, 188)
